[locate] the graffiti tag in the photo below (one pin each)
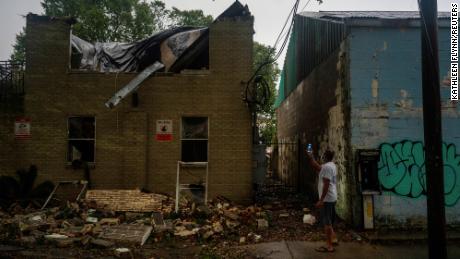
(402, 170)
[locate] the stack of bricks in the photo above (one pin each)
(126, 200)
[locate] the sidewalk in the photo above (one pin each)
(352, 250)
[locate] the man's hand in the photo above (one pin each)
(319, 204)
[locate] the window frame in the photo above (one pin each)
(194, 139)
(84, 139)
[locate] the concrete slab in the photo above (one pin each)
(305, 250)
(273, 250)
(345, 250)
(135, 234)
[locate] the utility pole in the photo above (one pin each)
(432, 130)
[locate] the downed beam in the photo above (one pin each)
(76, 196)
(133, 85)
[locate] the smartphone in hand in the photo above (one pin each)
(309, 148)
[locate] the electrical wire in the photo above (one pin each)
(284, 27)
(305, 6)
(268, 59)
(258, 96)
(286, 39)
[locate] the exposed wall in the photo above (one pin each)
(127, 154)
(386, 101)
(317, 112)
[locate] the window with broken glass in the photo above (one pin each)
(194, 138)
(81, 138)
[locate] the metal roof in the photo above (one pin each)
(339, 15)
(372, 18)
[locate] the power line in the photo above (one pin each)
(291, 17)
(305, 6)
(284, 27)
(286, 39)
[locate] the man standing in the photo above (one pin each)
(327, 192)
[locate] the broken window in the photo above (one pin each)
(81, 139)
(194, 139)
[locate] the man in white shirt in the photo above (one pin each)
(327, 191)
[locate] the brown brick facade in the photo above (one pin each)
(127, 155)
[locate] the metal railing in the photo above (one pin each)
(11, 85)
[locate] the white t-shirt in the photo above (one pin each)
(328, 171)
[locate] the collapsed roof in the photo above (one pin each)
(176, 48)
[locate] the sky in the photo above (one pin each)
(269, 15)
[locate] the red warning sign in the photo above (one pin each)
(22, 128)
(164, 130)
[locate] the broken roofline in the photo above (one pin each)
(177, 48)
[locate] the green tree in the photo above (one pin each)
(19, 47)
(189, 18)
(109, 20)
(115, 20)
(266, 118)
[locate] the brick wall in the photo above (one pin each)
(317, 112)
(127, 154)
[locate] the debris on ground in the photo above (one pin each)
(135, 234)
(309, 219)
(126, 200)
(123, 253)
(355, 236)
(121, 228)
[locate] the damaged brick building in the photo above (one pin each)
(352, 83)
(189, 110)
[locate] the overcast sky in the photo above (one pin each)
(269, 14)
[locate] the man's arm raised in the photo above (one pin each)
(316, 166)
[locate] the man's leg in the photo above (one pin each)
(326, 220)
(328, 229)
(335, 241)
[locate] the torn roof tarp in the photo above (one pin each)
(177, 48)
(174, 49)
(166, 47)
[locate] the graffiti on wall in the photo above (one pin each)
(402, 170)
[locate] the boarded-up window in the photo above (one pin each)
(194, 139)
(81, 138)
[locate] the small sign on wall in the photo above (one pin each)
(22, 128)
(164, 130)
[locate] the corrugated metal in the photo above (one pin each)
(339, 15)
(317, 34)
(312, 41)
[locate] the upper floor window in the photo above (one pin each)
(81, 138)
